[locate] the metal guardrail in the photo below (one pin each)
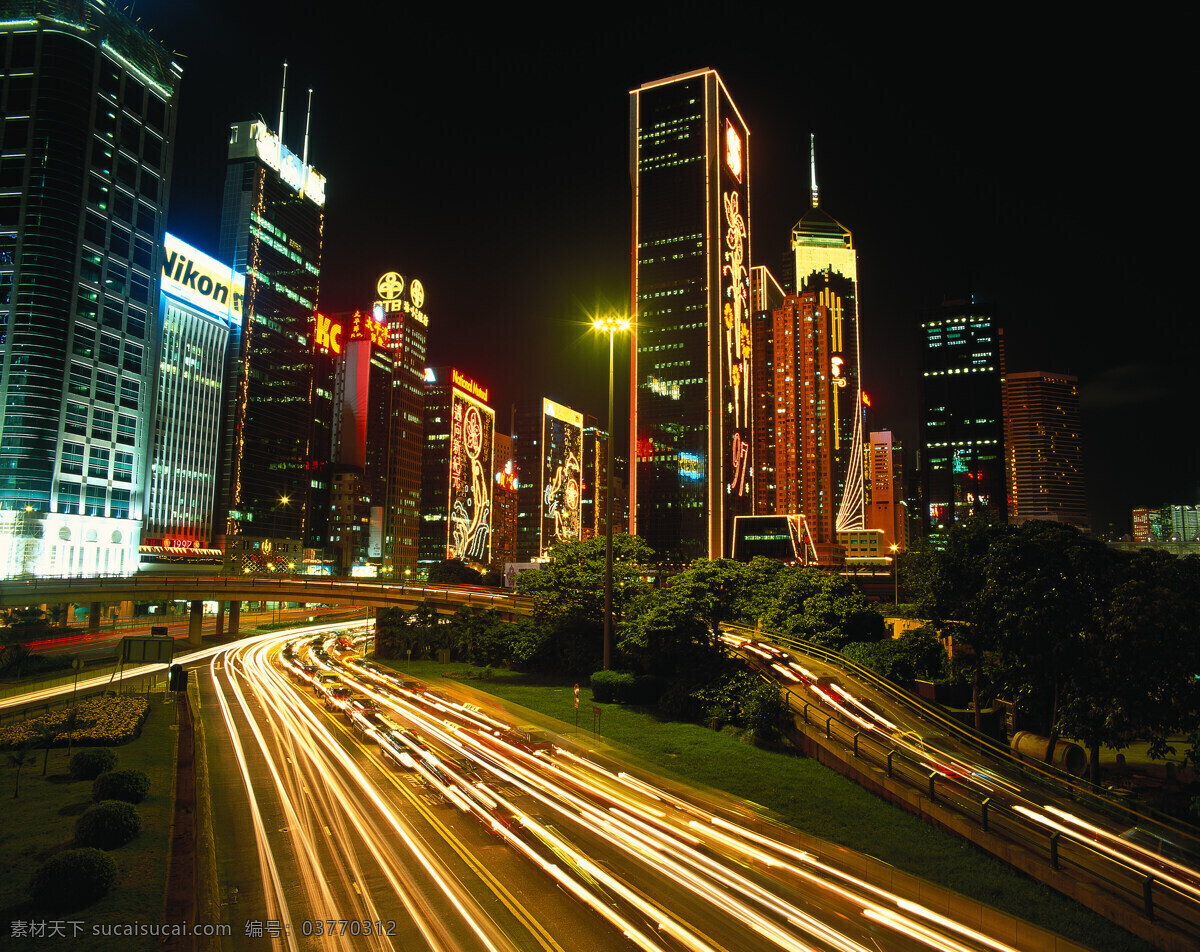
(1159, 900)
(1078, 789)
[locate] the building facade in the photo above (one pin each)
(200, 307)
(1043, 449)
(886, 509)
(962, 433)
(360, 447)
(276, 448)
(457, 471)
(766, 296)
(87, 131)
(691, 442)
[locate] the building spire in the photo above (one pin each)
(282, 99)
(307, 117)
(812, 165)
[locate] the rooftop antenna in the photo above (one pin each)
(812, 164)
(282, 99)
(307, 117)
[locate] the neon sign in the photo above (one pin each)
(329, 334)
(469, 385)
(737, 351)
(391, 286)
(562, 450)
(367, 328)
(470, 499)
(733, 151)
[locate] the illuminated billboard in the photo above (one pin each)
(472, 429)
(735, 341)
(327, 333)
(201, 280)
(562, 455)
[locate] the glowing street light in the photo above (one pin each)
(895, 572)
(611, 325)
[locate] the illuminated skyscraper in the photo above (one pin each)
(87, 135)
(819, 408)
(962, 435)
(1043, 449)
(690, 375)
(272, 229)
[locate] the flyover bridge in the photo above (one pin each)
(232, 590)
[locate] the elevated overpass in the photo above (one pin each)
(232, 590)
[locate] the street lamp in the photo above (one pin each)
(612, 325)
(895, 572)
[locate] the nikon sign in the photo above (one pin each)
(202, 281)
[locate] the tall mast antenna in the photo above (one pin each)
(812, 164)
(282, 100)
(307, 117)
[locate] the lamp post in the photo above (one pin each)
(612, 325)
(895, 573)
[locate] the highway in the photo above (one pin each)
(343, 791)
(1055, 817)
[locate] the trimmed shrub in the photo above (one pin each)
(128, 785)
(107, 825)
(90, 764)
(72, 879)
(610, 686)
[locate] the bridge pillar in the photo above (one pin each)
(220, 620)
(196, 623)
(94, 617)
(235, 610)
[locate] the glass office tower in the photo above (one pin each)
(87, 128)
(690, 373)
(962, 431)
(277, 444)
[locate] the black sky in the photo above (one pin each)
(1036, 163)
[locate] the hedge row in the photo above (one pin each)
(101, 721)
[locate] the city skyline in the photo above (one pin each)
(982, 181)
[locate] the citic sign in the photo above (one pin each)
(329, 334)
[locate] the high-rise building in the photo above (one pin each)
(196, 320)
(1043, 449)
(962, 434)
(818, 383)
(886, 510)
(408, 330)
(359, 460)
(594, 480)
(766, 296)
(504, 503)
(548, 457)
(276, 424)
(691, 440)
(87, 133)
(457, 472)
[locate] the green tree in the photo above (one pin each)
(1136, 679)
(666, 632)
(715, 587)
(1044, 585)
(19, 758)
(454, 572)
(821, 607)
(947, 585)
(571, 583)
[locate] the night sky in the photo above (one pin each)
(1037, 164)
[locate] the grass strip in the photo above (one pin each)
(803, 794)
